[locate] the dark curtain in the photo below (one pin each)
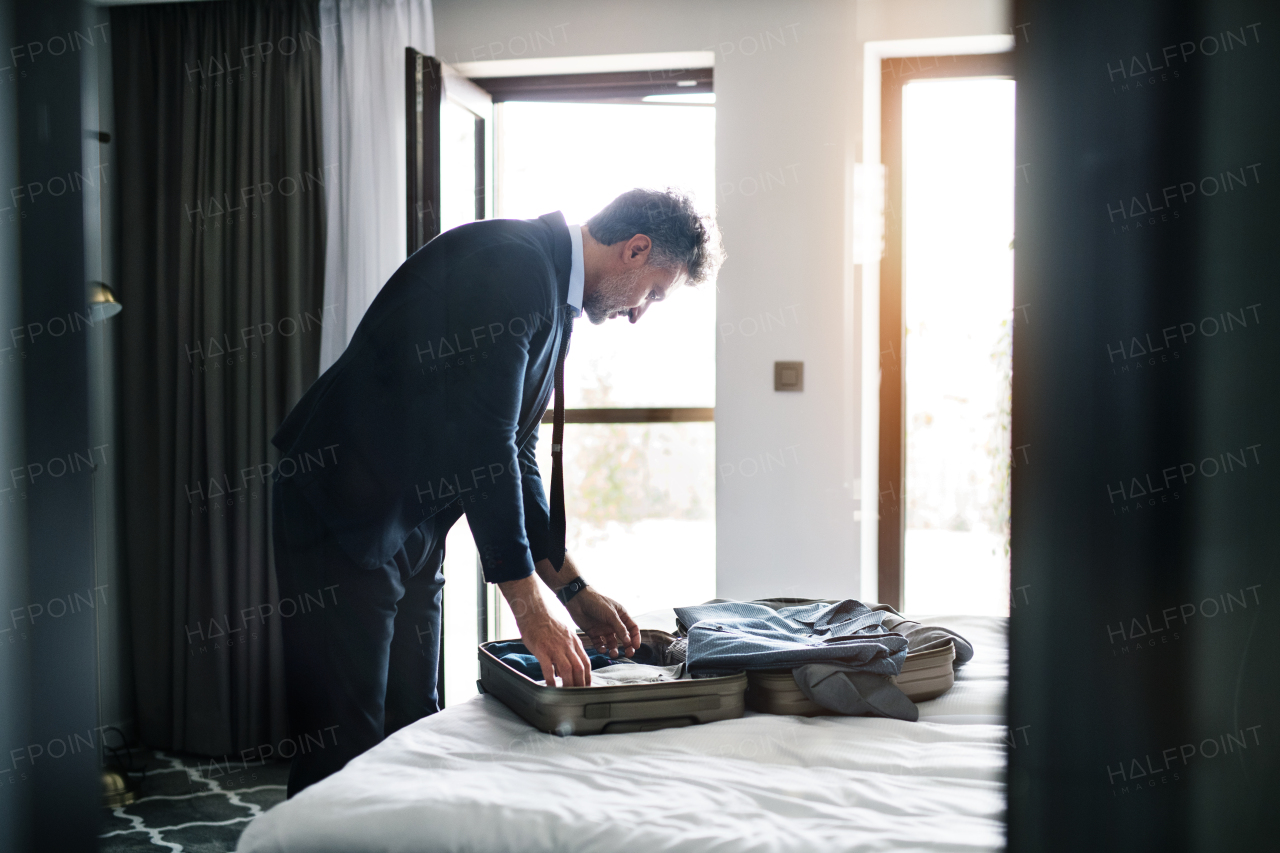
(222, 271)
(1144, 688)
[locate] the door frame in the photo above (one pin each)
(428, 83)
(423, 90)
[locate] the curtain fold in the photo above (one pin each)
(364, 133)
(222, 230)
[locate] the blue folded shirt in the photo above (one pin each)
(732, 636)
(515, 655)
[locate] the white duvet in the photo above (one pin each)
(476, 777)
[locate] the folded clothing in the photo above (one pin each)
(842, 655)
(839, 619)
(637, 673)
(920, 638)
(516, 655)
(733, 636)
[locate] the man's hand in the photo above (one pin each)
(554, 645)
(606, 622)
(601, 618)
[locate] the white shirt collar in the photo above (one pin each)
(577, 271)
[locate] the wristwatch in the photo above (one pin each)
(570, 589)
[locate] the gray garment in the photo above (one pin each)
(838, 688)
(926, 638)
(920, 638)
(843, 689)
(732, 636)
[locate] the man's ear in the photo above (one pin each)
(638, 249)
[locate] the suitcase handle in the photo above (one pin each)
(650, 708)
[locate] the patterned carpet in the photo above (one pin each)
(192, 805)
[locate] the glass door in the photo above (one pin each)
(957, 316)
(946, 324)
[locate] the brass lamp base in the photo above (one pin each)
(116, 790)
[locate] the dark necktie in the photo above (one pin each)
(558, 526)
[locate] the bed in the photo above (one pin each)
(476, 777)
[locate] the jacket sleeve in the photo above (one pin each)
(499, 301)
(537, 515)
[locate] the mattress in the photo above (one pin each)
(476, 777)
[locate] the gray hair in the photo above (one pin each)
(682, 238)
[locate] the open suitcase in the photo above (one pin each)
(609, 709)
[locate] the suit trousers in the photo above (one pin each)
(363, 663)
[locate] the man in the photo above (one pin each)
(432, 412)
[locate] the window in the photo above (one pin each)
(640, 497)
(640, 432)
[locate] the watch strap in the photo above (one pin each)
(570, 589)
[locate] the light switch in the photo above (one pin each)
(788, 376)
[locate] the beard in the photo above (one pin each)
(610, 296)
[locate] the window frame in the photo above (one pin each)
(611, 87)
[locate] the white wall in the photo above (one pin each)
(788, 82)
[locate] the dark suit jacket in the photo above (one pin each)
(438, 397)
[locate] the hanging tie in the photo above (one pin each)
(558, 525)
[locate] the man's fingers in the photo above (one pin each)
(548, 670)
(561, 669)
(620, 636)
(575, 672)
(576, 664)
(631, 630)
(586, 665)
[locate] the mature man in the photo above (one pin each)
(433, 412)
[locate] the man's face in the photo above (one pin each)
(630, 293)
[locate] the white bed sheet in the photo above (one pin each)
(476, 777)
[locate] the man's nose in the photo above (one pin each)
(638, 312)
